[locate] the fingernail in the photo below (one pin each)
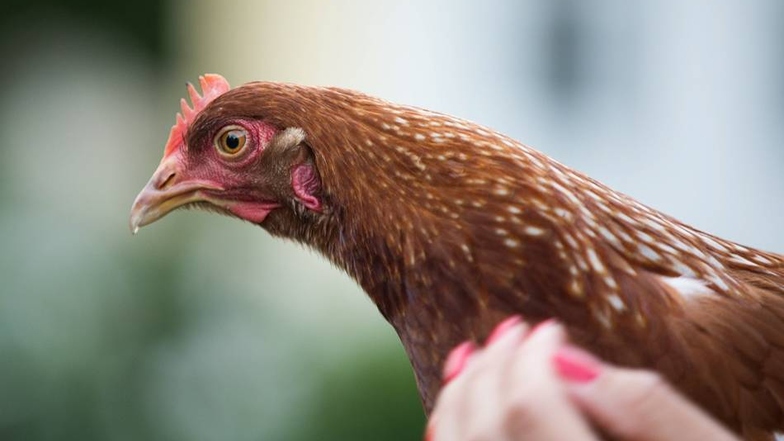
(502, 328)
(456, 360)
(576, 365)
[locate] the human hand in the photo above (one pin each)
(533, 385)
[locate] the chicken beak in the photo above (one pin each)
(166, 191)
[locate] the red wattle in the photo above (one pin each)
(252, 211)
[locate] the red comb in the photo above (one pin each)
(212, 86)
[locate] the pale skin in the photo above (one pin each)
(533, 385)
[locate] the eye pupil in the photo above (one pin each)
(232, 141)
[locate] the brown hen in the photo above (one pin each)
(450, 227)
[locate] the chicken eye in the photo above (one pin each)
(231, 140)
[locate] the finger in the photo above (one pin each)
(483, 379)
(444, 420)
(503, 328)
(467, 404)
(458, 357)
(633, 404)
(457, 360)
(501, 345)
(540, 408)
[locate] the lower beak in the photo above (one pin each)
(166, 191)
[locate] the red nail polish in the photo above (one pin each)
(576, 365)
(456, 360)
(502, 328)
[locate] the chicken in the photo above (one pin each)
(450, 227)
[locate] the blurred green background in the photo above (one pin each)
(204, 328)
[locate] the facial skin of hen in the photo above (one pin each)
(451, 227)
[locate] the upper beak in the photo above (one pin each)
(166, 191)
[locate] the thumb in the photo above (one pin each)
(631, 404)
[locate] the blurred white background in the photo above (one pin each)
(205, 328)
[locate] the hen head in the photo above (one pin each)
(216, 163)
